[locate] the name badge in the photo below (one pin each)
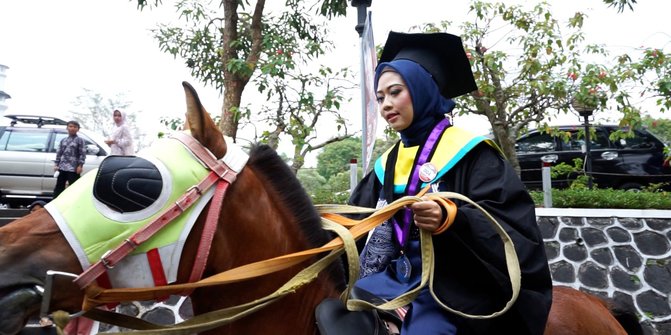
(427, 172)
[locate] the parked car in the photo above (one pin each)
(628, 163)
(28, 146)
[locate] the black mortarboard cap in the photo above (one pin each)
(441, 54)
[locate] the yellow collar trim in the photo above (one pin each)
(452, 146)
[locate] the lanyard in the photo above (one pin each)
(402, 228)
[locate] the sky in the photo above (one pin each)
(55, 49)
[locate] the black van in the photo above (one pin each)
(628, 163)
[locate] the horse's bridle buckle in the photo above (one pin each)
(183, 202)
(195, 187)
(105, 261)
(45, 318)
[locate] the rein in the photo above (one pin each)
(346, 240)
(331, 219)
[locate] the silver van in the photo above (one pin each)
(28, 146)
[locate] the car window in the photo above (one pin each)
(538, 142)
(60, 136)
(639, 141)
(3, 140)
(577, 140)
(24, 141)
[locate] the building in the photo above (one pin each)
(3, 95)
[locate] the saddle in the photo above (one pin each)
(333, 318)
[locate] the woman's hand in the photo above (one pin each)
(427, 214)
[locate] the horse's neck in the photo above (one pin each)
(255, 226)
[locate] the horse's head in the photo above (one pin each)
(28, 248)
(32, 245)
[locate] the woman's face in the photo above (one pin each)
(394, 100)
(117, 117)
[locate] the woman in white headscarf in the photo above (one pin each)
(121, 141)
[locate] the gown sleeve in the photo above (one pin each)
(366, 192)
(470, 270)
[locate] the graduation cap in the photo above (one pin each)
(441, 54)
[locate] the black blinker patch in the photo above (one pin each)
(127, 183)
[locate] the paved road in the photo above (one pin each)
(9, 215)
(34, 330)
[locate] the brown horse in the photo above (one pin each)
(266, 213)
(577, 312)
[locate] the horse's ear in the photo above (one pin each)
(186, 123)
(199, 122)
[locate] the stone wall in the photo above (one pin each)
(624, 255)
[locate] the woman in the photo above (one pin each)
(414, 83)
(120, 141)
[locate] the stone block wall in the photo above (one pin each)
(624, 255)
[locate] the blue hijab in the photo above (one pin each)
(429, 107)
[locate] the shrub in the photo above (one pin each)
(605, 198)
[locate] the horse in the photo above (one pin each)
(264, 214)
(577, 312)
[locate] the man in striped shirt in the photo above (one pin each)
(70, 158)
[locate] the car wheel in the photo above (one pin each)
(631, 187)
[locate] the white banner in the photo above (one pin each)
(368, 99)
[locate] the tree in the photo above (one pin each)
(227, 46)
(321, 191)
(94, 112)
(330, 181)
(298, 103)
(311, 180)
(649, 75)
(335, 158)
(652, 72)
(620, 4)
(660, 127)
(517, 91)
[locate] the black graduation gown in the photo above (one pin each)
(470, 269)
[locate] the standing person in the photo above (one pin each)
(69, 158)
(417, 76)
(121, 141)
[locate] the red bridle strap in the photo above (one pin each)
(217, 200)
(220, 172)
(207, 236)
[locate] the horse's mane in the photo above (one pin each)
(276, 172)
(264, 160)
